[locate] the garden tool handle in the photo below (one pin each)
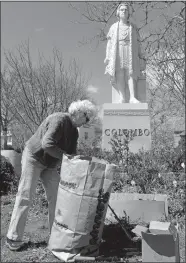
(122, 226)
(81, 258)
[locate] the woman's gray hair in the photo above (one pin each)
(83, 106)
(123, 4)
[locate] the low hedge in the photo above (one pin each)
(9, 179)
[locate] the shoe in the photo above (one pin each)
(14, 245)
(134, 100)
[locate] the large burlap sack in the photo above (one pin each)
(81, 206)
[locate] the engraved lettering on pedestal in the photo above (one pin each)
(140, 132)
(114, 131)
(146, 132)
(126, 132)
(107, 131)
(127, 112)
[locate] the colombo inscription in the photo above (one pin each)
(126, 132)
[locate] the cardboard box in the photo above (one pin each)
(142, 207)
(165, 228)
(160, 248)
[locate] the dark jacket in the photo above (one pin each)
(56, 135)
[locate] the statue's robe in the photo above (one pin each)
(135, 54)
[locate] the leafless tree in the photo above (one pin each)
(7, 97)
(33, 91)
(153, 19)
(166, 75)
(162, 29)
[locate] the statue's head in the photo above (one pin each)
(123, 10)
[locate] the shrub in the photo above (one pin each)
(84, 149)
(156, 171)
(9, 179)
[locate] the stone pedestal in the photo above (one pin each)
(124, 118)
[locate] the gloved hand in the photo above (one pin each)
(78, 157)
(72, 156)
(82, 157)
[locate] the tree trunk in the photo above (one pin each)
(5, 139)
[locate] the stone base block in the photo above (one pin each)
(160, 248)
(124, 118)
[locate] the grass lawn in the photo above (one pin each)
(37, 235)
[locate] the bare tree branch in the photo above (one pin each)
(38, 91)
